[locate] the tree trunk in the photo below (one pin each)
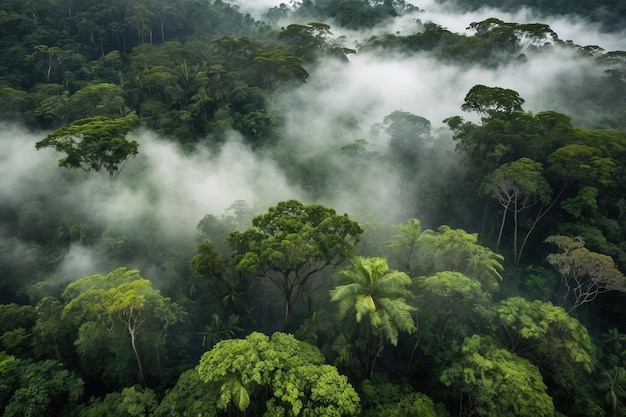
(132, 342)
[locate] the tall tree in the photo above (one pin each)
(292, 242)
(491, 102)
(96, 143)
(377, 295)
(122, 302)
(448, 249)
(518, 186)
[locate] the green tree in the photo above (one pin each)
(382, 398)
(408, 240)
(518, 186)
(291, 243)
(96, 143)
(491, 102)
(409, 134)
(189, 397)
(376, 294)
(16, 324)
(448, 249)
(277, 67)
(130, 402)
(515, 38)
(103, 99)
(493, 382)
(276, 376)
(115, 309)
(452, 306)
(41, 388)
(558, 344)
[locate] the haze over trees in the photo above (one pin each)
(321, 208)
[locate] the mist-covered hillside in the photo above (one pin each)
(325, 207)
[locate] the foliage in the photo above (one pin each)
(114, 311)
(291, 243)
(96, 143)
(41, 388)
(376, 293)
(189, 397)
(518, 186)
(491, 102)
(546, 335)
(497, 382)
(448, 249)
(584, 274)
(289, 376)
(382, 398)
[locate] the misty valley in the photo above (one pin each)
(369, 208)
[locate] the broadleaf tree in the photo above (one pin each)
(96, 144)
(276, 375)
(291, 243)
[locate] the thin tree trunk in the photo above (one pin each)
(132, 341)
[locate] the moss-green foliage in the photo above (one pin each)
(497, 382)
(276, 376)
(37, 389)
(382, 398)
(189, 397)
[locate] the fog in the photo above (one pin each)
(339, 104)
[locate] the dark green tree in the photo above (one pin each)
(94, 144)
(291, 243)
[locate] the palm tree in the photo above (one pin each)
(377, 294)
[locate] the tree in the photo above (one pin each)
(121, 303)
(491, 102)
(456, 250)
(558, 344)
(190, 396)
(514, 36)
(102, 99)
(409, 134)
(585, 274)
(96, 143)
(518, 186)
(286, 376)
(130, 402)
(382, 398)
(277, 67)
(494, 382)
(452, 306)
(291, 243)
(41, 388)
(408, 240)
(371, 291)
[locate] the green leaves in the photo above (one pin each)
(39, 387)
(109, 310)
(96, 143)
(292, 372)
(491, 102)
(498, 382)
(291, 242)
(545, 334)
(375, 292)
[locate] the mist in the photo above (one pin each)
(170, 189)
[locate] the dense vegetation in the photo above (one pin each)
(500, 295)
